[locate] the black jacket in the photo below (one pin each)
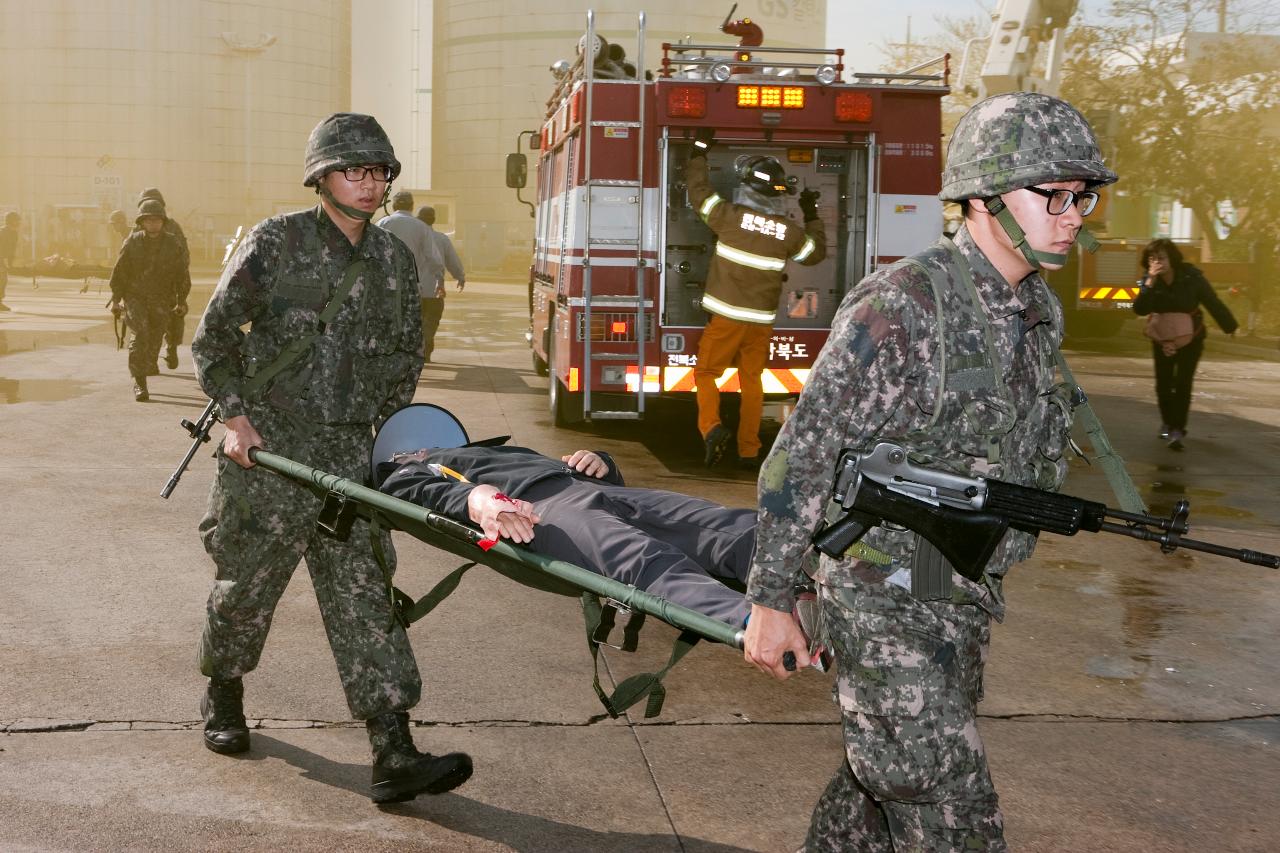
(1188, 292)
(511, 469)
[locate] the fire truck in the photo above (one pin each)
(620, 258)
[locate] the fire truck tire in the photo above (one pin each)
(539, 366)
(565, 405)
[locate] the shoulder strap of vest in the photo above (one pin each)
(296, 348)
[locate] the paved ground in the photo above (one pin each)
(1133, 699)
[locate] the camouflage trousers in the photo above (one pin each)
(259, 525)
(909, 677)
(173, 330)
(147, 321)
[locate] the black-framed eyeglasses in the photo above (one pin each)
(1060, 200)
(355, 174)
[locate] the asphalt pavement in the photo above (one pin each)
(1133, 702)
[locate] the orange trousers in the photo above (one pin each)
(732, 343)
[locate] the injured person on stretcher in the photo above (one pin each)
(579, 510)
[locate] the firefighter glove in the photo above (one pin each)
(808, 202)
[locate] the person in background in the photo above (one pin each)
(8, 248)
(173, 330)
(1172, 294)
(433, 305)
(420, 239)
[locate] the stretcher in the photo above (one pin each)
(601, 597)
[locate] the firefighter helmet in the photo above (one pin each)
(347, 139)
(149, 207)
(402, 200)
(764, 175)
(1017, 140)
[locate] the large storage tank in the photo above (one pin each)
(491, 81)
(209, 100)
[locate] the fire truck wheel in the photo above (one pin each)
(566, 406)
(539, 366)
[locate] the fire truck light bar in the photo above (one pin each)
(771, 97)
(853, 106)
(687, 101)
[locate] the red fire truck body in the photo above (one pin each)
(618, 249)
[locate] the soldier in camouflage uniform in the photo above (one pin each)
(949, 353)
(334, 346)
(173, 330)
(148, 279)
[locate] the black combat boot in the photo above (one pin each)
(400, 772)
(140, 389)
(222, 707)
(171, 357)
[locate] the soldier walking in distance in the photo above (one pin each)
(433, 305)
(8, 248)
(950, 353)
(173, 330)
(754, 240)
(334, 346)
(119, 225)
(148, 285)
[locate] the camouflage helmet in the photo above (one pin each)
(150, 192)
(1017, 140)
(402, 200)
(149, 207)
(347, 139)
(116, 217)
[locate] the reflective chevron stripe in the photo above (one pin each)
(746, 259)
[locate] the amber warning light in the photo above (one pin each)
(618, 327)
(771, 97)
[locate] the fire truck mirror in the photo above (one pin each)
(517, 171)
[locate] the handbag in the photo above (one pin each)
(1173, 330)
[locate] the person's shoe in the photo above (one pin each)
(749, 463)
(1164, 431)
(225, 731)
(1175, 439)
(717, 442)
(4, 307)
(400, 771)
(140, 389)
(171, 358)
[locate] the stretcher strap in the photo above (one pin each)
(630, 690)
(409, 611)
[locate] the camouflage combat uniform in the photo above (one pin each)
(148, 277)
(942, 355)
(318, 411)
(910, 670)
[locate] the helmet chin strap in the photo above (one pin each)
(997, 208)
(353, 212)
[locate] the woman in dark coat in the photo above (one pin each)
(1173, 286)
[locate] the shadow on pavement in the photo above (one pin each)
(521, 832)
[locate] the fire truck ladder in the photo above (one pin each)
(641, 325)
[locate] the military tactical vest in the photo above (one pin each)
(978, 416)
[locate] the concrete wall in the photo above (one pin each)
(102, 99)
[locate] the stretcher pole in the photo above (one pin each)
(411, 515)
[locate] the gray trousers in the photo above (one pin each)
(665, 543)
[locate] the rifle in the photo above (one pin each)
(966, 517)
(199, 432)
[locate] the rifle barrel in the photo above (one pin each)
(1170, 541)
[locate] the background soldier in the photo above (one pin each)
(754, 239)
(149, 278)
(8, 248)
(433, 306)
(949, 353)
(426, 257)
(119, 225)
(173, 331)
(335, 345)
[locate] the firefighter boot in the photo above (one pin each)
(140, 389)
(400, 771)
(171, 357)
(716, 443)
(222, 707)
